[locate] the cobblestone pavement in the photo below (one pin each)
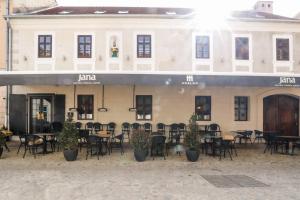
(50, 177)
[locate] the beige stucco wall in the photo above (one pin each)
(170, 104)
(172, 45)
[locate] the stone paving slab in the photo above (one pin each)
(233, 181)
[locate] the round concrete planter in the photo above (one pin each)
(192, 155)
(70, 155)
(140, 156)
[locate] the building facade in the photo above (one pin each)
(163, 63)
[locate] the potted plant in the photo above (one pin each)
(192, 140)
(68, 138)
(140, 144)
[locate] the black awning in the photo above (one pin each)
(12, 78)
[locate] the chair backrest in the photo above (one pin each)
(78, 125)
(56, 127)
(111, 126)
(249, 133)
(158, 140)
(160, 126)
(93, 139)
(135, 126)
(258, 133)
(174, 127)
(182, 126)
(148, 127)
(83, 134)
(214, 127)
(98, 126)
(125, 126)
(89, 125)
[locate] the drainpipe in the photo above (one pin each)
(8, 58)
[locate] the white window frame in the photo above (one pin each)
(110, 60)
(203, 61)
(136, 60)
(37, 59)
(90, 61)
(236, 62)
(277, 63)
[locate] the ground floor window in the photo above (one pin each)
(144, 107)
(203, 108)
(85, 107)
(241, 108)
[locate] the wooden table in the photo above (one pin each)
(44, 136)
(105, 137)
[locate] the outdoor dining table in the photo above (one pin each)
(44, 136)
(289, 140)
(105, 138)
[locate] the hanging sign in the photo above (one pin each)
(189, 81)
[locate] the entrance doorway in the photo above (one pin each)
(281, 113)
(41, 109)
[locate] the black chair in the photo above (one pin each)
(221, 147)
(83, 137)
(126, 129)
(111, 127)
(158, 146)
(117, 142)
(148, 128)
(258, 136)
(174, 136)
(182, 128)
(56, 127)
(78, 125)
(135, 126)
(93, 142)
(244, 135)
(22, 139)
(161, 128)
(89, 126)
(33, 142)
(214, 129)
(270, 142)
(97, 127)
(295, 145)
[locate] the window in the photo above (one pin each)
(84, 46)
(144, 107)
(241, 108)
(144, 46)
(85, 107)
(203, 108)
(282, 49)
(45, 46)
(242, 48)
(202, 47)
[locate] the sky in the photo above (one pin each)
(282, 7)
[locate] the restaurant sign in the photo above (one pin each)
(87, 79)
(287, 82)
(189, 80)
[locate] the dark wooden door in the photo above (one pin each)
(281, 113)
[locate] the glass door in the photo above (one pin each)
(40, 113)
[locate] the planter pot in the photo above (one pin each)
(1, 151)
(192, 155)
(140, 156)
(70, 155)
